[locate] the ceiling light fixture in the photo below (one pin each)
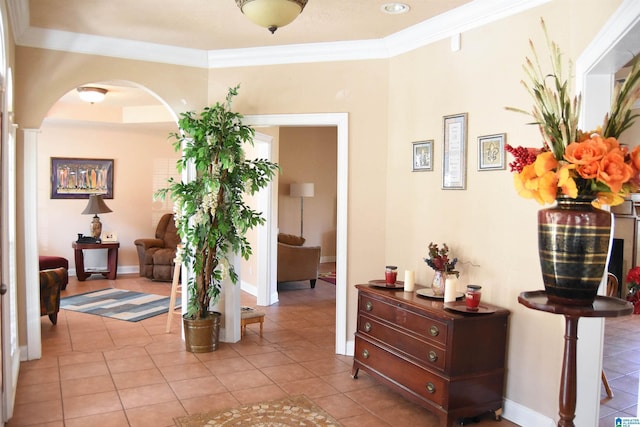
(395, 8)
(92, 94)
(271, 14)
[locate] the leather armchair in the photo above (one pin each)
(156, 255)
(297, 262)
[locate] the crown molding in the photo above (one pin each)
(472, 15)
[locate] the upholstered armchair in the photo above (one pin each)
(51, 282)
(297, 262)
(49, 262)
(156, 255)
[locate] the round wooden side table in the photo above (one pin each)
(601, 307)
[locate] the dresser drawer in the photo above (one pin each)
(430, 329)
(423, 351)
(401, 372)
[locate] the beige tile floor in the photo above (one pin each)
(621, 362)
(102, 372)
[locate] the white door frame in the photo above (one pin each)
(341, 121)
(608, 52)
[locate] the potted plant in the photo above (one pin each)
(211, 215)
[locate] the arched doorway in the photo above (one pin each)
(81, 130)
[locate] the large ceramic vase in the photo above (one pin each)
(202, 335)
(574, 242)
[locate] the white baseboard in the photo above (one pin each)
(324, 259)
(525, 417)
(126, 269)
(249, 288)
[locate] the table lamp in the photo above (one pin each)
(301, 190)
(96, 206)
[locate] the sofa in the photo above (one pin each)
(156, 255)
(295, 261)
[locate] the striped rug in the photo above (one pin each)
(118, 304)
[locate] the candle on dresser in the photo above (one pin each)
(450, 289)
(409, 280)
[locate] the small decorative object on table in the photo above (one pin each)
(443, 265)
(472, 297)
(390, 274)
(576, 168)
(633, 279)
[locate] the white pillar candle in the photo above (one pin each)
(450, 289)
(409, 280)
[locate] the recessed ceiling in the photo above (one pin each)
(219, 24)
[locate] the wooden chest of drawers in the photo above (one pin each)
(451, 363)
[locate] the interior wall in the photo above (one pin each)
(309, 154)
(488, 226)
(394, 213)
(143, 161)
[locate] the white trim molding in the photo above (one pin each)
(31, 269)
(471, 15)
(341, 121)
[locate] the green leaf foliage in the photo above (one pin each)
(211, 215)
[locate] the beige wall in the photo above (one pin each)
(487, 226)
(143, 161)
(309, 154)
(394, 213)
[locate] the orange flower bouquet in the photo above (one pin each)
(572, 162)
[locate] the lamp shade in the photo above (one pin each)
(271, 14)
(92, 94)
(301, 189)
(96, 206)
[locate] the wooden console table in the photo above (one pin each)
(601, 307)
(112, 259)
(451, 363)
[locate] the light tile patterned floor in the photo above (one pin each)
(102, 372)
(621, 362)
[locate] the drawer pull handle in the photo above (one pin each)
(434, 331)
(433, 356)
(365, 354)
(369, 306)
(367, 327)
(431, 388)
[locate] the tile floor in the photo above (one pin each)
(103, 372)
(621, 363)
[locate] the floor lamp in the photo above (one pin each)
(301, 190)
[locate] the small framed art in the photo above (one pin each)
(423, 155)
(491, 152)
(109, 236)
(454, 152)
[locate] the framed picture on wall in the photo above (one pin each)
(74, 178)
(491, 153)
(423, 155)
(454, 152)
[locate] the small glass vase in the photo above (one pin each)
(438, 284)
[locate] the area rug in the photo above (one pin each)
(329, 277)
(118, 304)
(292, 411)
